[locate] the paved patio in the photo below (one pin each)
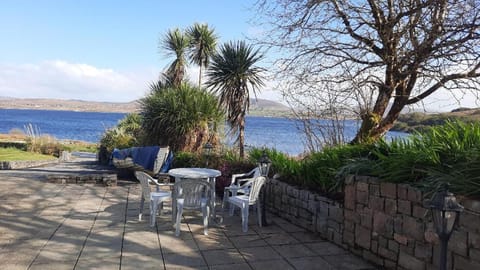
(55, 226)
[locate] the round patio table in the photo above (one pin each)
(195, 173)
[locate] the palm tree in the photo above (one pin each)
(179, 116)
(231, 75)
(176, 43)
(203, 42)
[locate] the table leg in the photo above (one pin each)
(214, 198)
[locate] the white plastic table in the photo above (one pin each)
(195, 173)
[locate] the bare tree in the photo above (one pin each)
(398, 52)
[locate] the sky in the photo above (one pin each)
(102, 50)
(108, 50)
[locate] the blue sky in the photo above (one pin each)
(101, 49)
(108, 50)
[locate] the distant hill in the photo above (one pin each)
(260, 107)
(418, 121)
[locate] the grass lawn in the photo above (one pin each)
(13, 154)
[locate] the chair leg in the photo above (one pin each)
(179, 218)
(153, 212)
(245, 218)
(259, 214)
(206, 214)
(140, 211)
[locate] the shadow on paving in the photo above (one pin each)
(54, 226)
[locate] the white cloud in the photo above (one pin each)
(64, 80)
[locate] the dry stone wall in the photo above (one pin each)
(384, 223)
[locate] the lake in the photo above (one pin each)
(279, 133)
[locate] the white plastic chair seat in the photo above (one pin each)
(156, 199)
(245, 200)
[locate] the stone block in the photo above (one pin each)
(470, 221)
(402, 191)
(472, 205)
(390, 265)
(374, 190)
(458, 243)
(462, 263)
(410, 262)
(321, 225)
(413, 228)
(349, 196)
(376, 203)
(414, 195)
(398, 224)
(387, 254)
(372, 257)
(323, 208)
(388, 190)
(383, 224)
(349, 238)
(304, 194)
(352, 216)
(431, 237)
(374, 246)
(390, 207)
(382, 241)
(400, 238)
(423, 251)
(404, 207)
(361, 197)
(366, 218)
(474, 239)
(331, 224)
(336, 213)
(349, 225)
(362, 237)
(393, 246)
(419, 212)
(475, 254)
(362, 186)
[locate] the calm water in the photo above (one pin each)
(279, 133)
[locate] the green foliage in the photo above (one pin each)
(14, 154)
(123, 135)
(172, 116)
(448, 153)
(232, 75)
(44, 144)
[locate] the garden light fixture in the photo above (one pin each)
(445, 211)
(264, 164)
(207, 148)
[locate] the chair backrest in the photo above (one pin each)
(251, 174)
(143, 179)
(161, 157)
(192, 191)
(256, 185)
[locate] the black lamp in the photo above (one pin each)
(207, 148)
(445, 211)
(264, 164)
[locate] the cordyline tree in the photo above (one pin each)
(399, 52)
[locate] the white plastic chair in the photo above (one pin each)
(192, 194)
(239, 179)
(244, 201)
(156, 199)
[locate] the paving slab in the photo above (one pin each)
(70, 226)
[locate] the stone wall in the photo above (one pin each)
(12, 165)
(385, 223)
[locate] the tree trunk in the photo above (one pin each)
(374, 127)
(200, 77)
(241, 138)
